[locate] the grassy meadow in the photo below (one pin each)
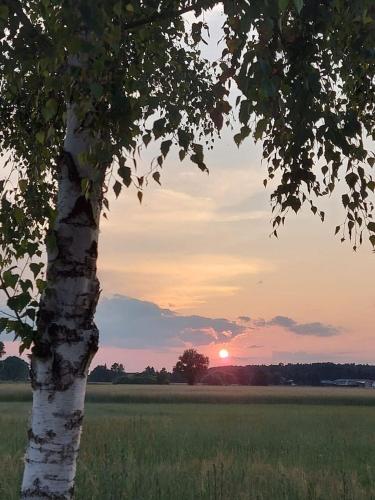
(214, 443)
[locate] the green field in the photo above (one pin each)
(219, 443)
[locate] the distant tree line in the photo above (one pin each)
(13, 368)
(284, 374)
(258, 375)
(117, 375)
(192, 367)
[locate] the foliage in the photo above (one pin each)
(2, 349)
(118, 368)
(213, 378)
(192, 365)
(149, 371)
(259, 377)
(149, 376)
(306, 74)
(136, 378)
(298, 373)
(102, 374)
(14, 368)
(163, 377)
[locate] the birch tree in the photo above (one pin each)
(85, 84)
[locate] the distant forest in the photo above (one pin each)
(14, 368)
(261, 375)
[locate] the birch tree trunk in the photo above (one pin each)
(67, 335)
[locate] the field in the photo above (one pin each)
(214, 443)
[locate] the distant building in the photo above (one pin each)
(348, 382)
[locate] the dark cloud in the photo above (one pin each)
(137, 324)
(244, 318)
(260, 322)
(132, 323)
(316, 328)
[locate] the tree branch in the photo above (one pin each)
(165, 16)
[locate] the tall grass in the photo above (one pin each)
(197, 451)
(180, 393)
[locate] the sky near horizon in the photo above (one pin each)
(194, 266)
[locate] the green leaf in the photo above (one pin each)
(298, 5)
(146, 139)
(19, 302)
(283, 4)
(41, 285)
(117, 188)
(165, 147)
(117, 8)
(125, 174)
(35, 268)
(19, 215)
(293, 202)
(51, 241)
(158, 127)
(40, 136)
(156, 177)
(182, 154)
(260, 129)
(183, 138)
(351, 179)
(22, 184)
(49, 110)
(4, 12)
(10, 279)
(96, 89)
(3, 324)
(237, 139)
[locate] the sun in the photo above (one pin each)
(223, 353)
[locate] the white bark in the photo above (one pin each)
(67, 336)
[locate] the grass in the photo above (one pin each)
(158, 447)
(180, 393)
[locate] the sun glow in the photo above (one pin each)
(223, 353)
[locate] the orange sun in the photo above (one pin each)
(223, 353)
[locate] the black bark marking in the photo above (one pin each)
(50, 435)
(61, 334)
(63, 373)
(66, 159)
(75, 421)
(82, 214)
(93, 250)
(92, 348)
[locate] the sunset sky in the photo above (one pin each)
(194, 266)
